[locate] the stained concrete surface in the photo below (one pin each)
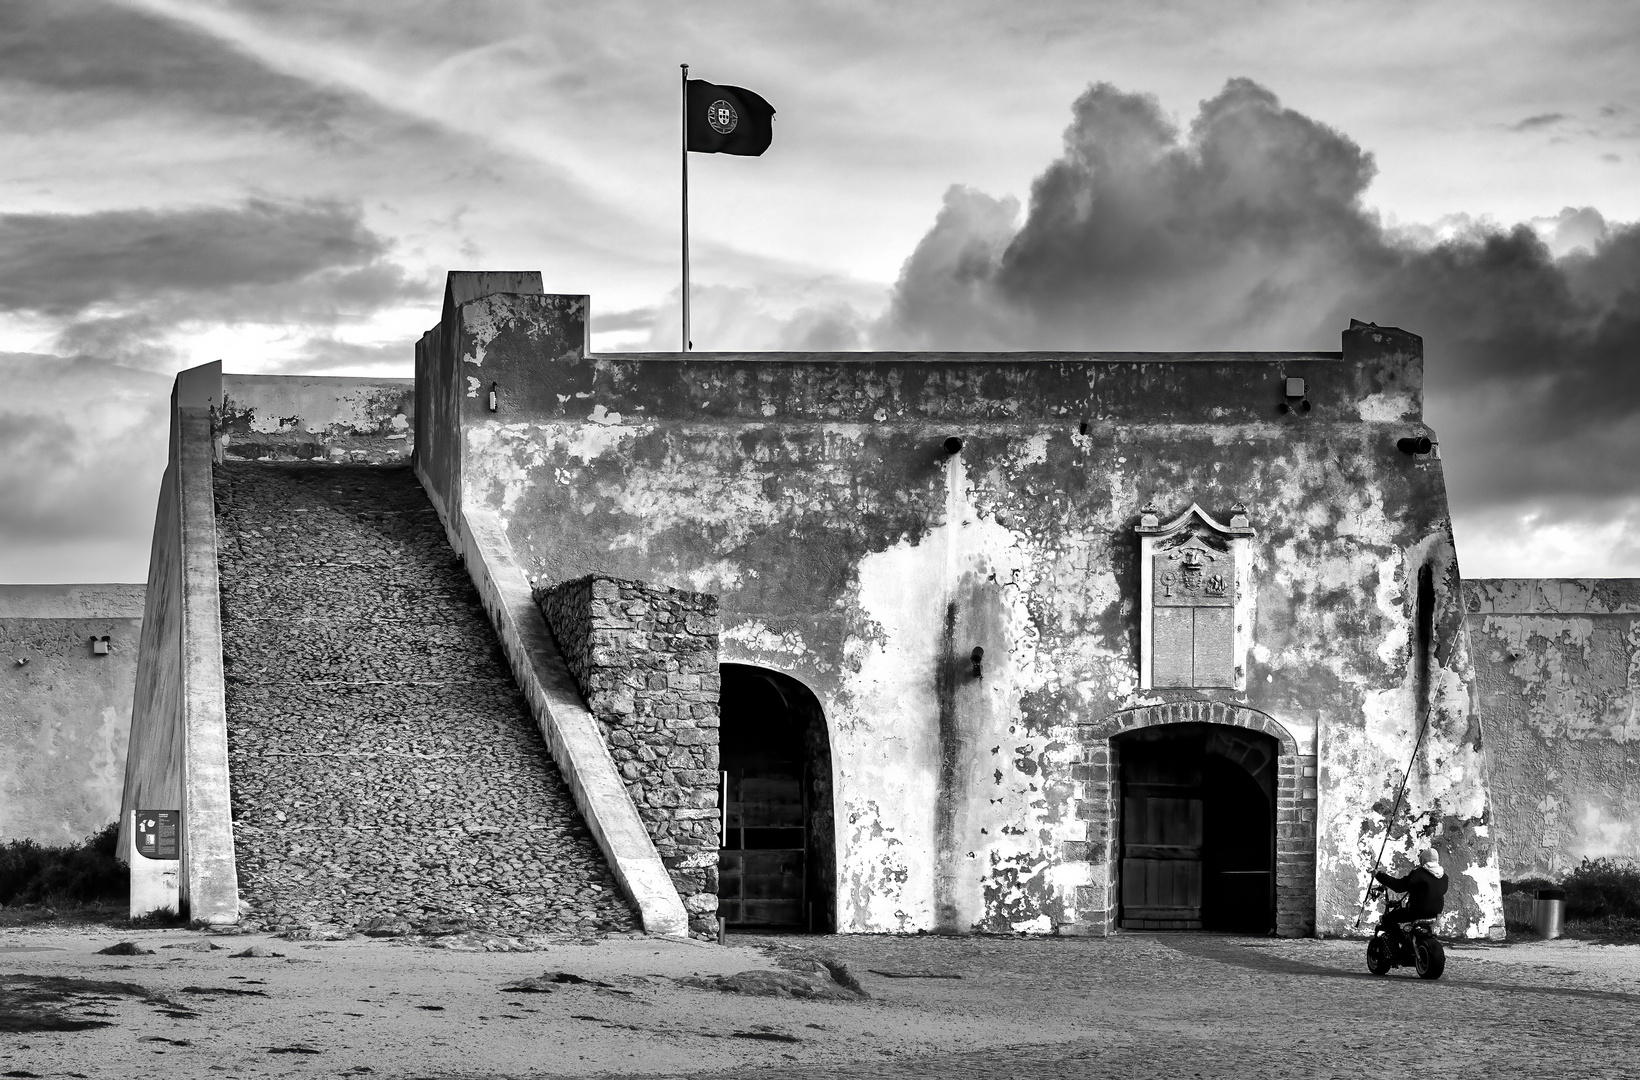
(1130, 1006)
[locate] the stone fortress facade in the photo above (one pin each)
(865, 642)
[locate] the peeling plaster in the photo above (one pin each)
(311, 417)
(811, 493)
(1557, 663)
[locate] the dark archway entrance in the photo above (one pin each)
(777, 866)
(1197, 828)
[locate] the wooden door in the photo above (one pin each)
(1162, 837)
(762, 866)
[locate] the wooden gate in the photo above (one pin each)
(763, 865)
(1162, 836)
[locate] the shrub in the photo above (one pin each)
(83, 872)
(1601, 888)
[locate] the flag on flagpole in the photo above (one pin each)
(726, 120)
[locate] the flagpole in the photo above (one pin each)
(683, 113)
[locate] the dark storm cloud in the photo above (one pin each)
(1248, 231)
(86, 48)
(1541, 120)
(1140, 237)
(96, 55)
(63, 264)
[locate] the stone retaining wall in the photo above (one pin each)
(646, 658)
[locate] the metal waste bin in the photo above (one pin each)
(1549, 912)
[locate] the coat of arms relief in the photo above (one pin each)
(1192, 627)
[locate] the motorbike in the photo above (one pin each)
(1412, 945)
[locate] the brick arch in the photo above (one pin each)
(1099, 799)
(1203, 712)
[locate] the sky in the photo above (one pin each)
(282, 186)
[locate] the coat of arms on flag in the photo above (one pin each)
(722, 116)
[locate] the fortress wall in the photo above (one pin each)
(1558, 666)
(814, 494)
(65, 710)
(316, 417)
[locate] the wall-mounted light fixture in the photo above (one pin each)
(977, 656)
(99, 645)
(22, 661)
(1294, 391)
(953, 445)
(1419, 444)
(495, 397)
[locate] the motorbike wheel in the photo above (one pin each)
(1428, 958)
(1379, 960)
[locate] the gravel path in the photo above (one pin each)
(386, 772)
(1145, 1006)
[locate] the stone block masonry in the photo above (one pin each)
(646, 658)
(384, 765)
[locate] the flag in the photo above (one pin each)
(726, 120)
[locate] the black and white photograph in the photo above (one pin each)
(832, 540)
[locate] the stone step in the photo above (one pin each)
(384, 767)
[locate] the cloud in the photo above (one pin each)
(322, 355)
(82, 448)
(92, 54)
(82, 432)
(1541, 120)
(1249, 230)
(62, 264)
(614, 321)
(1143, 237)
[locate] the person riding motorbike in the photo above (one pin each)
(1425, 889)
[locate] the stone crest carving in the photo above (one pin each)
(1194, 611)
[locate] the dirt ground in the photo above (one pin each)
(1133, 1006)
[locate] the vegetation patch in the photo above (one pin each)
(50, 1002)
(1602, 902)
(83, 873)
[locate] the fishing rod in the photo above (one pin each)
(1389, 820)
(1425, 621)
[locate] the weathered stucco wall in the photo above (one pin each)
(317, 417)
(65, 710)
(1558, 665)
(441, 389)
(852, 550)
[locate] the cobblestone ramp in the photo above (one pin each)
(385, 768)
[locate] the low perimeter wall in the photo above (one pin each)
(1557, 662)
(65, 707)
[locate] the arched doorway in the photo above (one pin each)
(777, 865)
(1197, 827)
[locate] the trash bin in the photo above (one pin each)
(1549, 912)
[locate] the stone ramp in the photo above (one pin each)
(383, 764)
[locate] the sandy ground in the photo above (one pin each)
(385, 1008)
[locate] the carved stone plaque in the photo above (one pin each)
(1173, 637)
(1214, 647)
(1194, 574)
(1193, 588)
